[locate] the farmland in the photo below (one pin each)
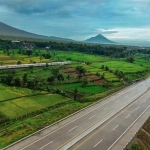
(25, 105)
(32, 98)
(122, 66)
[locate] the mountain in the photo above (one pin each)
(99, 39)
(11, 33)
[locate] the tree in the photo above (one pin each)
(130, 59)
(116, 72)
(31, 84)
(29, 52)
(60, 77)
(55, 72)
(85, 82)
(103, 67)
(25, 80)
(80, 71)
(7, 48)
(47, 65)
(9, 79)
(51, 79)
(31, 68)
(48, 89)
(106, 68)
(38, 83)
(75, 93)
(19, 62)
(17, 81)
(68, 77)
(103, 76)
(120, 74)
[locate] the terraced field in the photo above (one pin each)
(121, 66)
(78, 57)
(13, 59)
(24, 111)
(23, 106)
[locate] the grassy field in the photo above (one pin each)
(7, 92)
(28, 110)
(121, 66)
(89, 89)
(76, 56)
(19, 129)
(94, 69)
(13, 59)
(49, 99)
(19, 107)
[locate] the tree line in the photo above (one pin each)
(113, 51)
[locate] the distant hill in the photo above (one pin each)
(100, 39)
(8, 32)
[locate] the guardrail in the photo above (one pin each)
(97, 124)
(70, 115)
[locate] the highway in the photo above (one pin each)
(109, 133)
(97, 127)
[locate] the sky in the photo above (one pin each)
(123, 21)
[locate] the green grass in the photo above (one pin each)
(139, 60)
(13, 59)
(6, 94)
(121, 66)
(18, 130)
(111, 77)
(76, 56)
(49, 99)
(89, 89)
(22, 106)
(27, 105)
(10, 92)
(11, 110)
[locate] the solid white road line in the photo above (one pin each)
(98, 143)
(77, 118)
(128, 128)
(73, 128)
(92, 117)
(128, 116)
(116, 101)
(106, 108)
(46, 144)
(115, 127)
(137, 108)
(66, 124)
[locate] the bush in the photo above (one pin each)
(19, 62)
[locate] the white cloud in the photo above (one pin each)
(127, 33)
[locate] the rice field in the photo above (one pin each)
(19, 107)
(121, 66)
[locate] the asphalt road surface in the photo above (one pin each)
(97, 127)
(104, 137)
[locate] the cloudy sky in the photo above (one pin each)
(118, 20)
